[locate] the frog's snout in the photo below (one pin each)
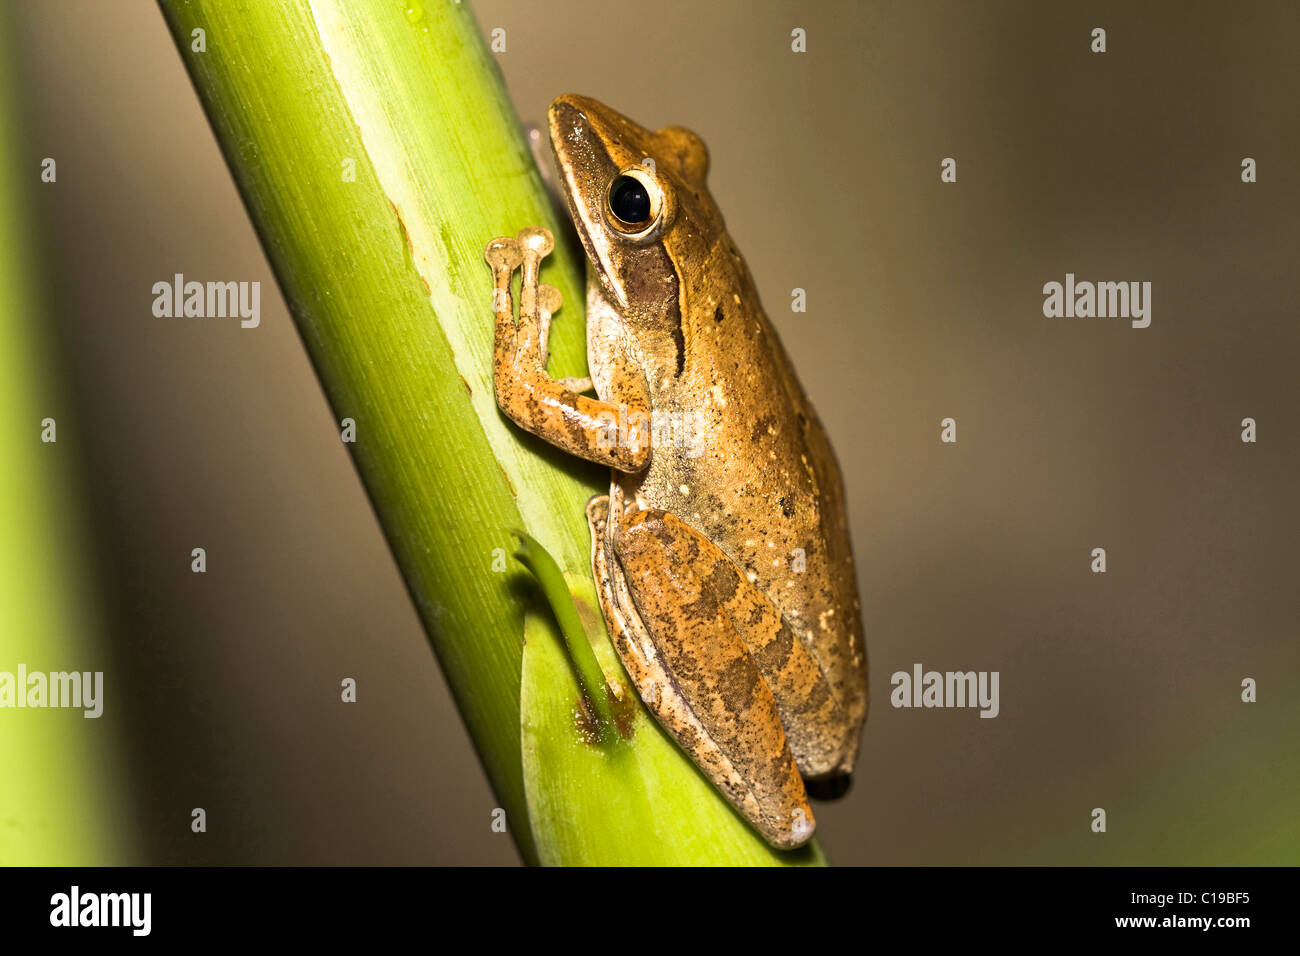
(566, 116)
(571, 106)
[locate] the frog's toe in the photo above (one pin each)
(548, 300)
(598, 513)
(503, 254)
(802, 828)
(536, 240)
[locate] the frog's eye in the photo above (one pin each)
(635, 202)
(629, 200)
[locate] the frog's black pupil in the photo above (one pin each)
(629, 200)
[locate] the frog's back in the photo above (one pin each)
(759, 479)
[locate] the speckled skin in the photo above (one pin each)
(757, 669)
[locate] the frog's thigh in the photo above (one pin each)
(646, 669)
(813, 719)
(695, 672)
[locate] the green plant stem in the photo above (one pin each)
(377, 153)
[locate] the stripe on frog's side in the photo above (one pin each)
(656, 263)
(674, 314)
(679, 338)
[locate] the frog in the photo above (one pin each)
(723, 564)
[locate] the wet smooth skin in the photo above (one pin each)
(721, 553)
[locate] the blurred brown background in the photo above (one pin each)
(924, 301)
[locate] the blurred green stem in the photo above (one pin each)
(61, 783)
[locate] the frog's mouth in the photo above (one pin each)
(592, 143)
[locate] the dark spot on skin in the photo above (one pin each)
(776, 765)
(819, 697)
(737, 684)
(703, 608)
(684, 545)
(776, 654)
(722, 583)
(760, 428)
(787, 505)
(717, 314)
(574, 426)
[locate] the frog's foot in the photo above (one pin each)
(537, 302)
(556, 411)
(691, 663)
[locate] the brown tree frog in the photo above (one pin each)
(721, 553)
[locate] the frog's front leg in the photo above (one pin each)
(696, 663)
(556, 411)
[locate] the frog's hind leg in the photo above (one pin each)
(692, 668)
